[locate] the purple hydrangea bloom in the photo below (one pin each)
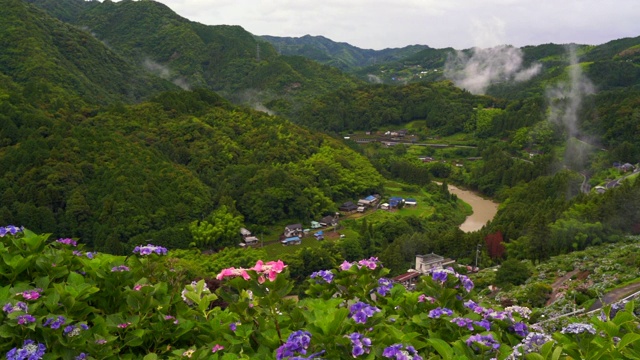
(437, 312)
(81, 356)
(531, 343)
(150, 249)
(67, 241)
(25, 319)
(485, 340)
(361, 344)
(385, 286)
(440, 275)
(520, 329)
(467, 284)
(484, 323)
(396, 351)
(298, 342)
(55, 323)
(30, 350)
(9, 229)
(74, 330)
(233, 326)
(19, 306)
(325, 275)
(120, 268)
(578, 328)
(360, 312)
(463, 322)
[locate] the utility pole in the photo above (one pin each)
(258, 52)
(477, 253)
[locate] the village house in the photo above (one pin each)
(247, 238)
(348, 207)
(293, 230)
(294, 240)
(424, 264)
(329, 221)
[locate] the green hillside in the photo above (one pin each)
(56, 63)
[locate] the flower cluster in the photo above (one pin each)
(298, 342)
(325, 275)
(25, 319)
(150, 249)
(74, 330)
(438, 312)
(120, 268)
(54, 323)
(9, 229)
(399, 352)
(384, 286)
(90, 255)
(19, 306)
(520, 329)
(360, 312)
(67, 241)
(485, 340)
(30, 350)
(270, 269)
(372, 263)
(578, 328)
(216, 348)
(361, 344)
(531, 343)
(524, 312)
(33, 294)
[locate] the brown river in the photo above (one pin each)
(483, 209)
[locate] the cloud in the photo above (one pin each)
(165, 73)
(483, 67)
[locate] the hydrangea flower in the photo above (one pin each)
(399, 352)
(298, 342)
(345, 265)
(19, 306)
(30, 350)
(578, 328)
(438, 312)
(467, 284)
(217, 348)
(360, 312)
(361, 344)
(463, 322)
(325, 275)
(425, 298)
(440, 275)
(81, 356)
(54, 322)
(124, 325)
(25, 319)
(33, 294)
(370, 263)
(150, 249)
(67, 241)
(530, 344)
(74, 330)
(485, 340)
(523, 311)
(120, 268)
(384, 287)
(9, 229)
(520, 329)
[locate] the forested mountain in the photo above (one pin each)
(224, 58)
(56, 63)
(338, 54)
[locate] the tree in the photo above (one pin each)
(218, 230)
(512, 272)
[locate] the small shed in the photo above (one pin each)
(294, 240)
(319, 235)
(411, 202)
(384, 206)
(315, 225)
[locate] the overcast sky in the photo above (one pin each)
(378, 24)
